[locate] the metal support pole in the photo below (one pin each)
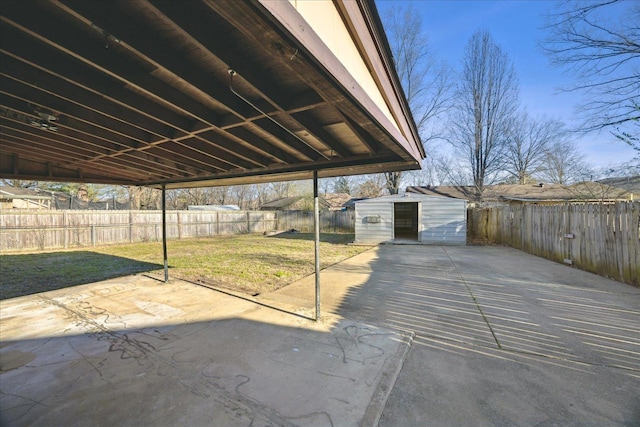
(164, 233)
(316, 223)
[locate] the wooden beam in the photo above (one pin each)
(44, 24)
(46, 154)
(111, 129)
(161, 55)
(46, 58)
(73, 94)
(318, 132)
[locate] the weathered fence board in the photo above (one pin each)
(25, 230)
(600, 238)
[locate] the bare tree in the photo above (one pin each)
(427, 83)
(452, 171)
(325, 185)
(526, 145)
(487, 101)
(372, 186)
(599, 44)
(281, 188)
(262, 193)
(427, 175)
(392, 181)
(342, 184)
(627, 169)
(219, 195)
(241, 195)
(199, 196)
(177, 199)
(143, 197)
(565, 164)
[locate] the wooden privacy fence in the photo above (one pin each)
(600, 238)
(24, 230)
(330, 221)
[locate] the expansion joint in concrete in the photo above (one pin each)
(475, 301)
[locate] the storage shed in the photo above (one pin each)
(412, 218)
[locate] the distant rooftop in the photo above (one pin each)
(629, 183)
(584, 191)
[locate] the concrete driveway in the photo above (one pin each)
(501, 338)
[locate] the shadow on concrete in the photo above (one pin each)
(446, 294)
(89, 363)
(26, 274)
(502, 337)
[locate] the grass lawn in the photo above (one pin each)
(249, 263)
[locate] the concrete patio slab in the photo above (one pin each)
(502, 337)
(135, 351)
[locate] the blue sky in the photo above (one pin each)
(517, 27)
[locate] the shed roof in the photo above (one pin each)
(194, 93)
(408, 197)
(452, 191)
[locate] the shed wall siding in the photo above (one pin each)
(443, 221)
(374, 233)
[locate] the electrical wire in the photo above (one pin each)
(232, 73)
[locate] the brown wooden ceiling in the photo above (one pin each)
(137, 92)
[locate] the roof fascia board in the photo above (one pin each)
(295, 25)
(362, 14)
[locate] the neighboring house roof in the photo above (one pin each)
(532, 193)
(336, 201)
(351, 204)
(22, 193)
(280, 204)
(330, 201)
(629, 183)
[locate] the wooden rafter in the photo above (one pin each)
(140, 93)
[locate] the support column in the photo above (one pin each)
(316, 222)
(164, 233)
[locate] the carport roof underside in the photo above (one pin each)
(140, 93)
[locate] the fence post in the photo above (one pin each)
(64, 229)
(131, 227)
(179, 226)
(93, 235)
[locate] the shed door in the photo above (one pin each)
(405, 221)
